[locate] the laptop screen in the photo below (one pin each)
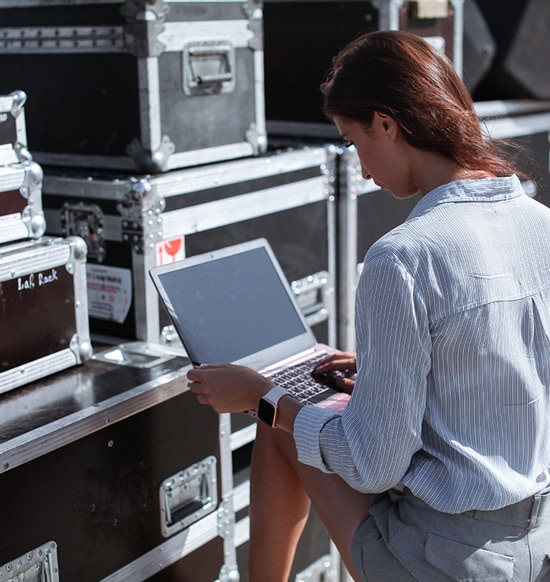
(230, 307)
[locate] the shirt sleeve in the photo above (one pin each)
(371, 444)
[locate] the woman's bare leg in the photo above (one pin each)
(281, 490)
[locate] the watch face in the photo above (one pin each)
(266, 412)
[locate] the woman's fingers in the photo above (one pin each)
(340, 361)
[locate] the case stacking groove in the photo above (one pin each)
(137, 85)
(134, 223)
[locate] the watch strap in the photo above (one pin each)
(274, 395)
(268, 409)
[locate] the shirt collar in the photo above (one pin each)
(484, 190)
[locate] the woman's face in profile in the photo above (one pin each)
(381, 152)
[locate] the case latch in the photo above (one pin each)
(85, 221)
(188, 496)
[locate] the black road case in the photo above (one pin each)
(314, 30)
(113, 471)
(43, 309)
(134, 223)
(136, 85)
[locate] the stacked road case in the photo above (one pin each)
(39, 276)
(132, 223)
(137, 85)
(98, 480)
(297, 60)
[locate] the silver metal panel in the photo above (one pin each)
(516, 126)
(492, 109)
(13, 106)
(243, 436)
(175, 36)
(221, 174)
(351, 184)
(39, 368)
(213, 214)
(29, 223)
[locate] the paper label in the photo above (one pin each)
(109, 292)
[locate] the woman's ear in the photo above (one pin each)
(388, 124)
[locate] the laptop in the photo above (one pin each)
(234, 305)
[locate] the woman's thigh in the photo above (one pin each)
(340, 507)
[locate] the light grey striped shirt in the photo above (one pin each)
(453, 351)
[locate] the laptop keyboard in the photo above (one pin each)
(299, 382)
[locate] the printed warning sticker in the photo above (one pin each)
(169, 251)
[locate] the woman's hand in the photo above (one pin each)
(341, 368)
(228, 388)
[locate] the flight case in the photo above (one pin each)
(136, 85)
(297, 60)
(113, 471)
(43, 305)
(134, 223)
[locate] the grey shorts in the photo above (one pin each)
(403, 539)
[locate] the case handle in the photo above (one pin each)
(188, 496)
(209, 67)
(39, 564)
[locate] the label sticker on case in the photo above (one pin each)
(170, 251)
(109, 292)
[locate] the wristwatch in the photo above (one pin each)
(269, 405)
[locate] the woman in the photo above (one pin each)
(438, 468)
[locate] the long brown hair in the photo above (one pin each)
(400, 74)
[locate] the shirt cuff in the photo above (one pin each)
(307, 432)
